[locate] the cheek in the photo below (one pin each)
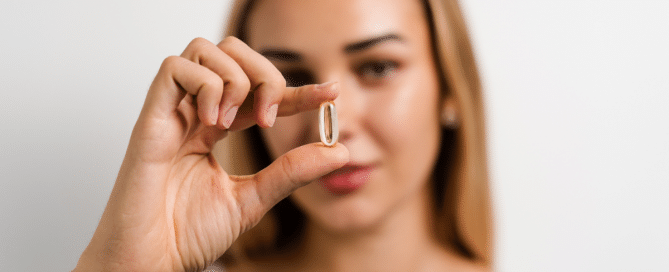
(406, 124)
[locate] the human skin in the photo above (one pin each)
(173, 208)
(389, 107)
(388, 119)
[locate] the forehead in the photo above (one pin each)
(310, 24)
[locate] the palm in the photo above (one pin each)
(205, 213)
(200, 212)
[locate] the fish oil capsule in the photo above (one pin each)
(327, 123)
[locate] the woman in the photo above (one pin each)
(405, 189)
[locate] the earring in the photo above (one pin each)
(449, 117)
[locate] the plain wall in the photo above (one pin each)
(576, 96)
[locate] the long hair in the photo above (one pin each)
(460, 178)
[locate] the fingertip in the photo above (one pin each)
(260, 119)
(266, 116)
(342, 154)
(270, 117)
(229, 117)
(207, 117)
(328, 89)
(338, 154)
(214, 115)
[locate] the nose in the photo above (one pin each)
(348, 105)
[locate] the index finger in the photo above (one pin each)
(294, 100)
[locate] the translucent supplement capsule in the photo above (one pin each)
(327, 124)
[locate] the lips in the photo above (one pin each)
(347, 179)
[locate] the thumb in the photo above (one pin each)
(258, 193)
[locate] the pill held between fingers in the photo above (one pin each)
(327, 123)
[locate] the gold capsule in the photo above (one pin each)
(327, 124)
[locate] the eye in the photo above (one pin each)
(296, 78)
(377, 70)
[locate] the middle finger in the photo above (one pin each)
(267, 83)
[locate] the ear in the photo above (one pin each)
(450, 113)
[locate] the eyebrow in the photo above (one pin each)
(291, 56)
(280, 54)
(365, 44)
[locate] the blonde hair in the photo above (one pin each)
(462, 202)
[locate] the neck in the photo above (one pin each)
(400, 242)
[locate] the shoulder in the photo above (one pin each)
(471, 267)
(450, 261)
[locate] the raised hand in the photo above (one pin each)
(173, 208)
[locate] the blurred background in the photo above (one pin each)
(578, 123)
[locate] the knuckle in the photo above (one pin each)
(194, 48)
(214, 82)
(276, 84)
(231, 41)
(237, 88)
(170, 63)
(288, 168)
(280, 82)
(241, 84)
(198, 42)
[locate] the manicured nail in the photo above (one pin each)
(214, 115)
(326, 85)
(271, 114)
(230, 116)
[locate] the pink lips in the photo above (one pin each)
(347, 179)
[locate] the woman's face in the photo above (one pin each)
(379, 53)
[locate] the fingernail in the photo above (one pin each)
(324, 86)
(230, 116)
(271, 114)
(214, 115)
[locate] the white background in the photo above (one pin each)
(576, 96)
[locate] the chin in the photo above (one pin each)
(347, 215)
